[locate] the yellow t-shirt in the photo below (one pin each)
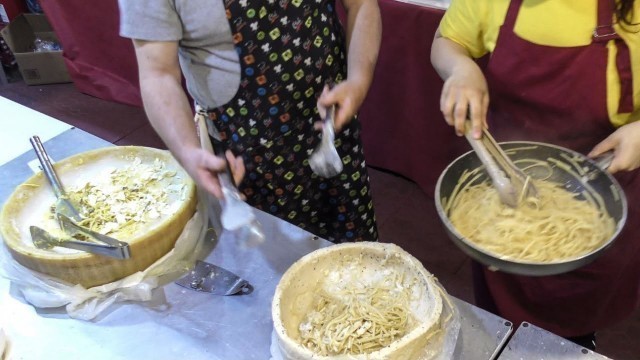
(474, 24)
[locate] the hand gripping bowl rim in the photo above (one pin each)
(520, 267)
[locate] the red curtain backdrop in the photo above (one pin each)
(100, 62)
(403, 128)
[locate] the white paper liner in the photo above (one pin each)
(44, 291)
(3, 344)
(441, 345)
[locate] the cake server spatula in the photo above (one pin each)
(209, 278)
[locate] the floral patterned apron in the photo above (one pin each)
(288, 51)
(558, 95)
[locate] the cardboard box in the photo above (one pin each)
(37, 68)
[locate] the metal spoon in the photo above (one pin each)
(325, 160)
(509, 180)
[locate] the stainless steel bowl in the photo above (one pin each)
(595, 177)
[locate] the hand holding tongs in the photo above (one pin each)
(510, 181)
(68, 217)
(236, 215)
(235, 212)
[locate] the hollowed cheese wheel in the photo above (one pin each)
(31, 203)
(354, 265)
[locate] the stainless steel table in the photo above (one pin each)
(179, 323)
(533, 343)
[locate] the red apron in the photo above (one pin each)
(558, 95)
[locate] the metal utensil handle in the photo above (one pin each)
(487, 156)
(47, 167)
(106, 250)
(226, 178)
(604, 160)
(492, 167)
(519, 177)
(71, 226)
(504, 160)
(328, 128)
(217, 148)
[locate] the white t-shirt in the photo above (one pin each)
(208, 59)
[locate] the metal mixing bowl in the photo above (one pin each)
(597, 179)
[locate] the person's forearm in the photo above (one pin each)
(364, 29)
(168, 110)
(447, 56)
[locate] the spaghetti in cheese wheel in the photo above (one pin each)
(358, 320)
(135, 194)
(358, 301)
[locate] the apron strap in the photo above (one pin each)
(512, 14)
(604, 32)
(623, 63)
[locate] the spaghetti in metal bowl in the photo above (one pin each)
(557, 225)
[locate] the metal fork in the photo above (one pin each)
(325, 160)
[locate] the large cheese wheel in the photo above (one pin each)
(152, 234)
(363, 266)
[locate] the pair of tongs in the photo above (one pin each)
(510, 181)
(69, 217)
(236, 213)
(109, 246)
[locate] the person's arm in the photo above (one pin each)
(363, 30)
(625, 142)
(169, 112)
(465, 87)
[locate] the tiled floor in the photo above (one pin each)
(406, 216)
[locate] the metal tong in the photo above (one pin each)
(510, 181)
(42, 239)
(63, 205)
(235, 212)
(68, 218)
(325, 160)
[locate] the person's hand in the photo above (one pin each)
(347, 96)
(465, 94)
(625, 143)
(203, 167)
